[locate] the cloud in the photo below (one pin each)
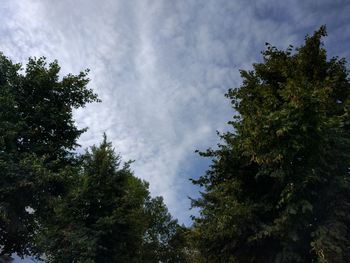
(161, 68)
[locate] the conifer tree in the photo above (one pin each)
(108, 216)
(100, 219)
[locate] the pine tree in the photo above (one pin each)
(100, 219)
(108, 216)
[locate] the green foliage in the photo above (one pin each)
(37, 133)
(108, 216)
(70, 208)
(278, 188)
(164, 239)
(98, 220)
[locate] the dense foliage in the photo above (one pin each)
(279, 187)
(108, 216)
(37, 131)
(65, 206)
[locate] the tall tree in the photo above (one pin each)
(108, 216)
(100, 219)
(37, 134)
(279, 186)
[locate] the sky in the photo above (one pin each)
(161, 69)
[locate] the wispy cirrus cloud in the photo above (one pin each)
(161, 68)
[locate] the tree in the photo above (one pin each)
(164, 240)
(278, 189)
(100, 219)
(37, 135)
(108, 216)
(69, 207)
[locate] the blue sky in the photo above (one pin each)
(162, 67)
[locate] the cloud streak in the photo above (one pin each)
(161, 68)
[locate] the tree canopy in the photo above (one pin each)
(109, 216)
(63, 205)
(278, 189)
(37, 135)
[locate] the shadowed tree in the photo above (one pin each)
(164, 240)
(100, 219)
(37, 134)
(109, 216)
(278, 189)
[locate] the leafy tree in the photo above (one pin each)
(278, 189)
(37, 134)
(164, 240)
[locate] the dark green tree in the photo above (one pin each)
(278, 189)
(37, 135)
(101, 218)
(164, 240)
(108, 216)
